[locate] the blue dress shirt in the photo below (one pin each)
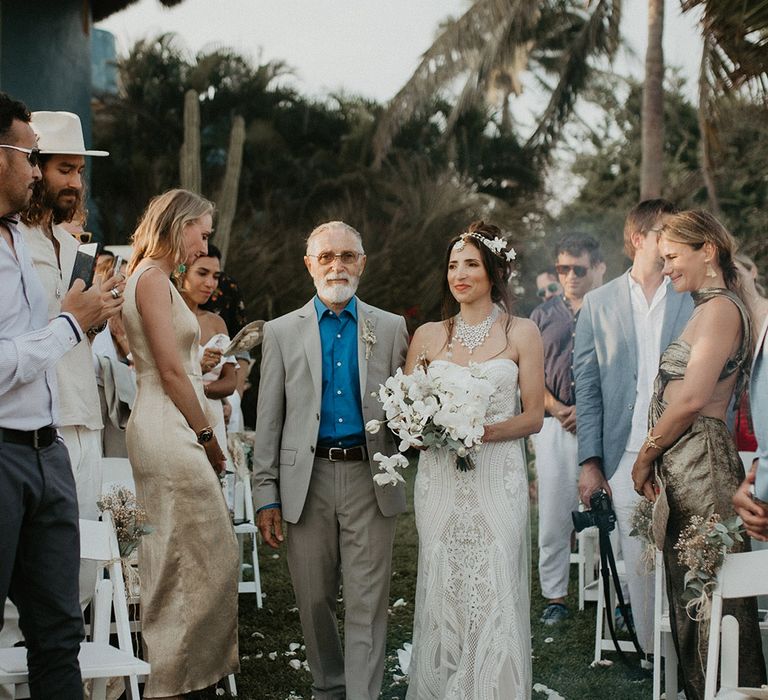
(341, 412)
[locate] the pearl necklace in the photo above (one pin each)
(472, 337)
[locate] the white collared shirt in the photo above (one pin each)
(30, 345)
(648, 320)
(76, 378)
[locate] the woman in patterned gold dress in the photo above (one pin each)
(689, 457)
(188, 565)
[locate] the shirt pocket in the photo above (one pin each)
(287, 457)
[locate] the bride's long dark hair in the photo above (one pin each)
(497, 268)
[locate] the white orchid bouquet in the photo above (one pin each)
(430, 408)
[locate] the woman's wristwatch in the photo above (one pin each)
(205, 435)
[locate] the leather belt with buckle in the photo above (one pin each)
(40, 438)
(358, 453)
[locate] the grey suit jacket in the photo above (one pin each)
(605, 367)
(758, 402)
(288, 413)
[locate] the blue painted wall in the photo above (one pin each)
(45, 55)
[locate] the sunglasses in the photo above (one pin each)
(578, 270)
(551, 287)
(33, 154)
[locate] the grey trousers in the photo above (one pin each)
(39, 564)
(342, 536)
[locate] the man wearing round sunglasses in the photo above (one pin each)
(580, 267)
(39, 543)
(547, 284)
(623, 328)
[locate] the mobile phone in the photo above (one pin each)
(118, 264)
(85, 263)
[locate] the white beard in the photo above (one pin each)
(337, 293)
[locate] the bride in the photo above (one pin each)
(471, 635)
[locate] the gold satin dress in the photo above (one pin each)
(188, 565)
(700, 473)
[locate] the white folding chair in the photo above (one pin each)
(586, 557)
(663, 644)
(603, 641)
(742, 575)
(247, 534)
(98, 659)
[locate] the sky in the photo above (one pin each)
(364, 47)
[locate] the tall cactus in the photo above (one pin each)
(226, 202)
(190, 171)
(189, 154)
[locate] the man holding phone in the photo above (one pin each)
(39, 543)
(57, 198)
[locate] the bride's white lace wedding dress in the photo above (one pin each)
(472, 637)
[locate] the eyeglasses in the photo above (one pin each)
(33, 154)
(578, 270)
(327, 257)
(551, 287)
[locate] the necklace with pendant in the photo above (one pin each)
(472, 337)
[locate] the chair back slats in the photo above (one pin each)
(744, 574)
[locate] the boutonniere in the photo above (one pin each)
(369, 337)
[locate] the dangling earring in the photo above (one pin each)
(710, 270)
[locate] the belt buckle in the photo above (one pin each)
(35, 440)
(331, 458)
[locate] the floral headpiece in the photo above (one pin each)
(498, 246)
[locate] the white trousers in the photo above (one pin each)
(84, 447)
(557, 473)
(640, 582)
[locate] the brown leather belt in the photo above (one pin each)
(40, 438)
(358, 453)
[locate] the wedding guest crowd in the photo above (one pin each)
(623, 387)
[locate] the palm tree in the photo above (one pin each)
(651, 167)
(492, 45)
(734, 60)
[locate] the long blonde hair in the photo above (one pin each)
(160, 231)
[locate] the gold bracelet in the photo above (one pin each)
(651, 443)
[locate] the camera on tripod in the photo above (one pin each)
(599, 515)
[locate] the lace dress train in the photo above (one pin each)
(472, 634)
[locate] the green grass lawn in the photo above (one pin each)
(561, 655)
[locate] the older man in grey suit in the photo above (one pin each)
(622, 330)
(313, 464)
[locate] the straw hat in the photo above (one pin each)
(60, 133)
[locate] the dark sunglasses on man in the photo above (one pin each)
(552, 287)
(578, 270)
(33, 154)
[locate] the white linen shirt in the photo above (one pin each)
(648, 320)
(76, 378)
(30, 345)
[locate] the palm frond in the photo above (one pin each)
(598, 36)
(484, 37)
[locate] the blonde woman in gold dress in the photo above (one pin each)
(690, 457)
(188, 565)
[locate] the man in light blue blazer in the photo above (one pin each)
(623, 328)
(753, 512)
